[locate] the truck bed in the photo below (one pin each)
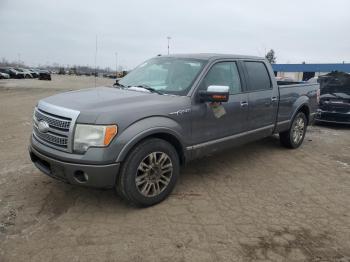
(291, 97)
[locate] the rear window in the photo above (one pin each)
(258, 75)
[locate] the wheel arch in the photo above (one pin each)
(301, 105)
(306, 110)
(162, 133)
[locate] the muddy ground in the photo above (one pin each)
(259, 202)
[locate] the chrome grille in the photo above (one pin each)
(53, 121)
(60, 126)
(61, 141)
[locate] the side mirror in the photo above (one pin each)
(215, 94)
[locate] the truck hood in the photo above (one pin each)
(107, 105)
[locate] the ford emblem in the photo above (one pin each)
(43, 126)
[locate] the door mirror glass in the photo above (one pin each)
(215, 93)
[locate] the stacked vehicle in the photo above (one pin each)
(335, 98)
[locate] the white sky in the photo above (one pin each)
(64, 31)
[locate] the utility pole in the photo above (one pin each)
(168, 37)
(95, 60)
(116, 64)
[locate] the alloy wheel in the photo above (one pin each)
(153, 174)
(298, 130)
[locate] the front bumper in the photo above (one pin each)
(101, 176)
(332, 117)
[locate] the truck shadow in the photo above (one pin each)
(227, 165)
(335, 126)
(237, 154)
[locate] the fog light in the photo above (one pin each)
(81, 176)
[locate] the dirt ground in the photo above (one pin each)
(259, 202)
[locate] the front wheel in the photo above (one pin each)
(149, 173)
(294, 137)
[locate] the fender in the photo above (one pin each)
(144, 128)
(298, 104)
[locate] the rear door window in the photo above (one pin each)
(259, 78)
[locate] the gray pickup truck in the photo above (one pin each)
(136, 135)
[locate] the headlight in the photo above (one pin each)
(93, 136)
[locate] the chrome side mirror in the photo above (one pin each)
(215, 94)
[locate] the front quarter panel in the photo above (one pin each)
(136, 132)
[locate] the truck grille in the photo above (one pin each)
(57, 129)
(53, 138)
(54, 121)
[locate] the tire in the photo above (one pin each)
(149, 173)
(294, 136)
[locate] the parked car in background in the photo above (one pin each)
(4, 75)
(34, 72)
(44, 75)
(166, 112)
(26, 72)
(12, 72)
(335, 98)
(109, 75)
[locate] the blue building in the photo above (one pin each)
(304, 72)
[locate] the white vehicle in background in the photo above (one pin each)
(4, 75)
(26, 72)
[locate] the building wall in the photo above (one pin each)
(297, 76)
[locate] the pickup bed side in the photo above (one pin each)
(294, 98)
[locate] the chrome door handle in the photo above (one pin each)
(244, 103)
(274, 99)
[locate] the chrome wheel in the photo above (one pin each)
(154, 174)
(298, 130)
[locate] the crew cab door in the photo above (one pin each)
(213, 121)
(262, 98)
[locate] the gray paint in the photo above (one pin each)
(190, 122)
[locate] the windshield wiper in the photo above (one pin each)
(149, 89)
(118, 84)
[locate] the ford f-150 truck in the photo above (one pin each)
(136, 135)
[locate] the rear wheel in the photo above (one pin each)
(149, 173)
(294, 137)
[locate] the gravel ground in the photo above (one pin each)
(259, 202)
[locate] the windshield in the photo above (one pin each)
(168, 75)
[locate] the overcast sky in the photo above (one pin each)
(64, 31)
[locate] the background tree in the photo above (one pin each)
(270, 56)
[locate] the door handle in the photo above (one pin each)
(273, 99)
(244, 103)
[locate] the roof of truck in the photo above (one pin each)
(209, 56)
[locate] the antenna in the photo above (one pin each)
(95, 60)
(116, 65)
(168, 37)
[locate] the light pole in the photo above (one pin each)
(168, 37)
(95, 60)
(116, 64)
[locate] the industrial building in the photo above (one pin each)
(303, 72)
